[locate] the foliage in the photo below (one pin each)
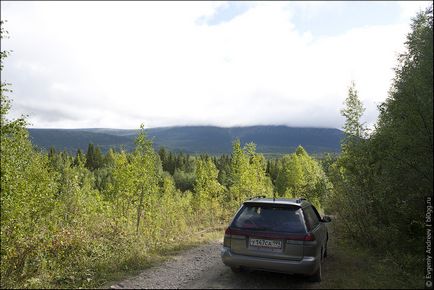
(299, 175)
(381, 180)
(94, 159)
(352, 112)
(247, 174)
(208, 191)
(26, 190)
(184, 180)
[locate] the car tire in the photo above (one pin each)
(317, 276)
(236, 269)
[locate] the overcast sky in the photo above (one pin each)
(118, 64)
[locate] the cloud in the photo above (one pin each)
(113, 64)
(410, 8)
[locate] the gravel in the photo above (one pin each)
(202, 268)
(176, 272)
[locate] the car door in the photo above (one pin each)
(316, 227)
(322, 225)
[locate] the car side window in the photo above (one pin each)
(317, 213)
(310, 217)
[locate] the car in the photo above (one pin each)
(277, 235)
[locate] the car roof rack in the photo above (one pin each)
(299, 200)
(258, 196)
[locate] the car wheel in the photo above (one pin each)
(317, 276)
(236, 269)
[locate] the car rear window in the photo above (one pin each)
(287, 219)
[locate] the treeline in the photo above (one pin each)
(382, 179)
(289, 175)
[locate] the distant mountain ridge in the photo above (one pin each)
(195, 139)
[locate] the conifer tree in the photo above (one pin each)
(90, 157)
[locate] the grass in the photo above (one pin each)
(351, 267)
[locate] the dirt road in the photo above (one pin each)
(202, 267)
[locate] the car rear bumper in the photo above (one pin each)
(306, 266)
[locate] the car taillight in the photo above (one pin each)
(309, 237)
(228, 231)
(227, 238)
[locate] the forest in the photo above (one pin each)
(67, 218)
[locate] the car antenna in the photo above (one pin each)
(274, 196)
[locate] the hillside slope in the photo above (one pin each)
(195, 139)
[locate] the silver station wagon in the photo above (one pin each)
(277, 235)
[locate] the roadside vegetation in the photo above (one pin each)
(351, 265)
(381, 179)
(71, 220)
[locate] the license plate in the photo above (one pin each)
(268, 244)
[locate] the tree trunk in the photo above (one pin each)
(139, 210)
